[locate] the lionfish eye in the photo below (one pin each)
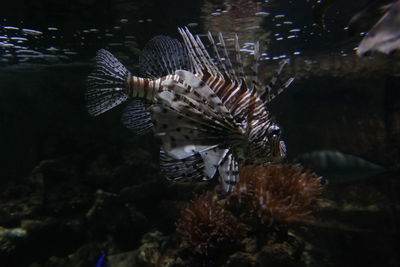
(274, 130)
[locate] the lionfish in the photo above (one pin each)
(198, 103)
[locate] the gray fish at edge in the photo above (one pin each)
(338, 167)
(385, 34)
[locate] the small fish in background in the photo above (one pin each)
(103, 261)
(338, 167)
(385, 34)
(371, 10)
(368, 15)
(383, 37)
(203, 106)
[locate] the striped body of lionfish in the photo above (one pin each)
(198, 103)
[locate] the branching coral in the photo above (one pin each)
(206, 226)
(267, 201)
(276, 194)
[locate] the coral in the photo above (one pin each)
(206, 226)
(266, 203)
(276, 195)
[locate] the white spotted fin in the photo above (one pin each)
(189, 123)
(198, 90)
(183, 128)
(212, 159)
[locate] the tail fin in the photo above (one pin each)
(107, 84)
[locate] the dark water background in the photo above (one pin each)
(57, 157)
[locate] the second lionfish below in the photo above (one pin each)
(204, 108)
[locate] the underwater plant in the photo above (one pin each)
(276, 195)
(206, 226)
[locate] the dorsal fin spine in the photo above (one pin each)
(238, 58)
(269, 93)
(230, 70)
(195, 49)
(194, 58)
(209, 61)
(217, 55)
(199, 53)
(256, 78)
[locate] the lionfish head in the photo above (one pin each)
(267, 149)
(277, 146)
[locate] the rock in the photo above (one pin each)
(278, 255)
(11, 238)
(241, 259)
(126, 259)
(153, 245)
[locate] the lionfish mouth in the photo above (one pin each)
(278, 148)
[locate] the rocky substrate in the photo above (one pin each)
(113, 201)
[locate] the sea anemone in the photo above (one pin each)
(276, 195)
(207, 227)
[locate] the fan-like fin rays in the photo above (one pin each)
(229, 172)
(182, 169)
(137, 117)
(163, 55)
(106, 84)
